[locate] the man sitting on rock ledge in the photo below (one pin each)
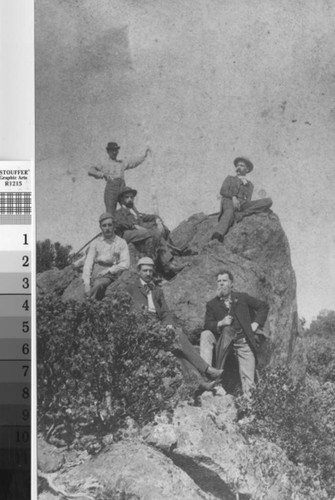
(236, 192)
(150, 298)
(232, 322)
(136, 228)
(107, 258)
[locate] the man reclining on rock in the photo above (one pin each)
(150, 298)
(137, 228)
(232, 322)
(236, 192)
(106, 259)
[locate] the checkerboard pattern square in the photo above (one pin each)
(15, 208)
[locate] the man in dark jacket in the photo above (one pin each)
(150, 298)
(136, 228)
(232, 322)
(236, 192)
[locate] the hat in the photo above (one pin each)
(126, 190)
(246, 161)
(145, 261)
(104, 216)
(113, 146)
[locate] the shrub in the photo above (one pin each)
(298, 417)
(50, 255)
(321, 352)
(99, 363)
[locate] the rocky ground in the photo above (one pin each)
(200, 452)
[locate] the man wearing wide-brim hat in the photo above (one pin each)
(236, 193)
(136, 227)
(113, 172)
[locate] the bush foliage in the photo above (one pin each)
(99, 363)
(300, 416)
(50, 255)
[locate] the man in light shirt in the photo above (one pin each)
(150, 298)
(113, 172)
(107, 258)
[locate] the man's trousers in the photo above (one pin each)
(193, 365)
(111, 194)
(243, 352)
(247, 208)
(100, 283)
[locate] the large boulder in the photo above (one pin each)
(127, 470)
(198, 452)
(257, 252)
(207, 442)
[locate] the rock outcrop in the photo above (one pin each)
(257, 252)
(198, 453)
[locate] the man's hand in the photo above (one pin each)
(226, 321)
(170, 328)
(254, 326)
(102, 273)
(236, 203)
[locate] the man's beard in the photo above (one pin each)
(129, 204)
(220, 292)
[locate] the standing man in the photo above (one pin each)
(107, 258)
(136, 227)
(113, 172)
(150, 298)
(232, 321)
(236, 192)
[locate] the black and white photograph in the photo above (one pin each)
(185, 264)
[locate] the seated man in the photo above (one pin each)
(236, 201)
(107, 258)
(147, 296)
(136, 228)
(231, 321)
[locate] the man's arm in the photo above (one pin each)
(96, 172)
(88, 266)
(229, 187)
(129, 164)
(261, 309)
(124, 220)
(148, 217)
(124, 262)
(250, 191)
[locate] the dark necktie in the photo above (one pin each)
(148, 287)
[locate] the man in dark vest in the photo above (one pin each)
(136, 228)
(236, 192)
(232, 322)
(150, 298)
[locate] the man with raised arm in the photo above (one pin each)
(113, 172)
(236, 192)
(107, 258)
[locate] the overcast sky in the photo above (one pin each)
(200, 82)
